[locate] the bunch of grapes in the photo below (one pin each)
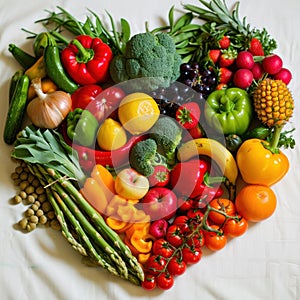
(194, 84)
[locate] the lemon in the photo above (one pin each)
(111, 135)
(138, 112)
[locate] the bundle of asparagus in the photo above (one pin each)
(56, 165)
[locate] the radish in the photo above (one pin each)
(242, 78)
(284, 74)
(244, 60)
(257, 71)
(272, 64)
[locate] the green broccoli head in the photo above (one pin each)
(143, 157)
(167, 134)
(148, 56)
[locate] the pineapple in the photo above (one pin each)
(273, 102)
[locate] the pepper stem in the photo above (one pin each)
(210, 180)
(84, 55)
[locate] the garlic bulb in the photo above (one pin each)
(48, 110)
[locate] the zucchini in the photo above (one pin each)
(23, 58)
(259, 132)
(56, 71)
(16, 110)
(13, 83)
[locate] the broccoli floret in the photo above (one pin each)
(150, 57)
(167, 134)
(143, 157)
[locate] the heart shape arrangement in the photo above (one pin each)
(136, 143)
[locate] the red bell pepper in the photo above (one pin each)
(87, 60)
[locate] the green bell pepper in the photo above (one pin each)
(82, 127)
(229, 111)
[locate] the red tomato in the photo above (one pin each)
(224, 205)
(185, 203)
(176, 266)
(149, 282)
(165, 281)
(196, 214)
(213, 240)
(155, 264)
(191, 255)
(162, 247)
(235, 228)
(183, 222)
(197, 240)
(174, 235)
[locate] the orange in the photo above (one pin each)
(256, 202)
(138, 112)
(111, 135)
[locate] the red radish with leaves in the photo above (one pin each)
(257, 71)
(244, 60)
(188, 115)
(160, 176)
(242, 78)
(272, 64)
(256, 48)
(284, 74)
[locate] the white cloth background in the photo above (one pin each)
(264, 264)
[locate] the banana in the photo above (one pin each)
(216, 151)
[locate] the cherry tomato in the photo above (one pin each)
(176, 266)
(213, 240)
(191, 255)
(165, 281)
(197, 240)
(149, 282)
(196, 214)
(174, 235)
(162, 247)
(155, 264)
(224, 205)
(235, 227)
(185, 203)
(183, 222)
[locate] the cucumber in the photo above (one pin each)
(16, 110)
(23, 58)
(13, 83)
(56, 71)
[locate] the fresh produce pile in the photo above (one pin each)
(135, 144)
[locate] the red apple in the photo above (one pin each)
(160, 203)
(158, 228)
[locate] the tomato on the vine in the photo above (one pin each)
(197, 240)
(176, 266)
(185, 203)
(165, 281)
(191, 255)
(163, 248)
(155, 264)
(174, 235)
(215, 240)
(149, 282)
(196, 214)
(223, 205)
(234, 227)
(183, 222)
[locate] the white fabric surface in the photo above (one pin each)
(264, 264)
